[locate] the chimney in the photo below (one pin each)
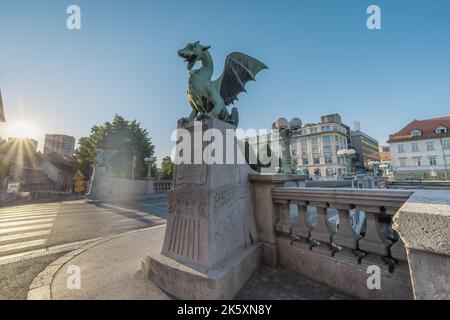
(357, 126)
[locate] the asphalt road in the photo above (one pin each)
(43, 229)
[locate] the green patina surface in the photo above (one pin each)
(210, 98)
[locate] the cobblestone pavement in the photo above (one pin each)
(281, 284)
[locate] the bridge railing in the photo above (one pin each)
(333, 236)
(331, 219)
(162, 185)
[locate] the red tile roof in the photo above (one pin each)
(427, 127)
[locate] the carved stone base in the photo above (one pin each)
(190, 283)
(210, 245)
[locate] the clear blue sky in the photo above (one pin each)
(322, 59)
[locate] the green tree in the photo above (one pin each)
(167, 167)
(123, 135)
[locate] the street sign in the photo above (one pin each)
(13, 187)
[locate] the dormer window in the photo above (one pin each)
(441, 129)
(416, 133)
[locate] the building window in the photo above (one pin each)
(325, 128)
(315, 150)
(430, 145)
(441, 130)
(316, 160)
(402, 162)
(315, 140)
(432, 160)
(400, 148)
(326, 139)
(305, 162)
(313, 130)
(415, 147)
(294, 153)
(416, 133)
(327, 149)
(328, 160)
(417, 161)
(446, 144)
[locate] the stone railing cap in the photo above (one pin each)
(423, 221)
(275, 177)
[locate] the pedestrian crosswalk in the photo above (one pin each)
(26, 227)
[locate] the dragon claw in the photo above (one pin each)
(182, 121)
(202, 115)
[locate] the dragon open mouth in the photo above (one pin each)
(190, 59)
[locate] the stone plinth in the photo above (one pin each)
(266, 215)
(211, 242)
(424, 225)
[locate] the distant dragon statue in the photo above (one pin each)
(210, 98)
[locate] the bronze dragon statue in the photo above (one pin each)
(210, 98)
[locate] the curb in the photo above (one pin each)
(41, 286)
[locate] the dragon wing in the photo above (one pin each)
(239, 69)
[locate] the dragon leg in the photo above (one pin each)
(188, 119)
(192, 115)
(234, 116)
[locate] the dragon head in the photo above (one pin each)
(192, 53)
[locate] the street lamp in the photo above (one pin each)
(346, 154)
(149, 161)
(286, 130)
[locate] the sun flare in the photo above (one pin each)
(21, 129)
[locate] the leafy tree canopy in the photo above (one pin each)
(127, 137)
(167, 167)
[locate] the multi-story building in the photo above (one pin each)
(60, 144)
(385, 159)
(2, 112)
(366, 149)
(314, 147)
(422, 147)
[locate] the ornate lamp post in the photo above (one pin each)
(347, 154)
(286, 131)
(149, 161)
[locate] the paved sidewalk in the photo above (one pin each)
(109, 271)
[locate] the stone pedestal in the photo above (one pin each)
(424, 226)
(211, 246)
(266, 215)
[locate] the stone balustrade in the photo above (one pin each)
(376, 241)
(333, 236)
(162, 185)
(340, 237)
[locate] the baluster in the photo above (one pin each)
(302, 227)
(346, 235)
(374, 241)
(398, 250)
(284, 217)
(322, 231)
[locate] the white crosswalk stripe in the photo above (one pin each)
(26, 227)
